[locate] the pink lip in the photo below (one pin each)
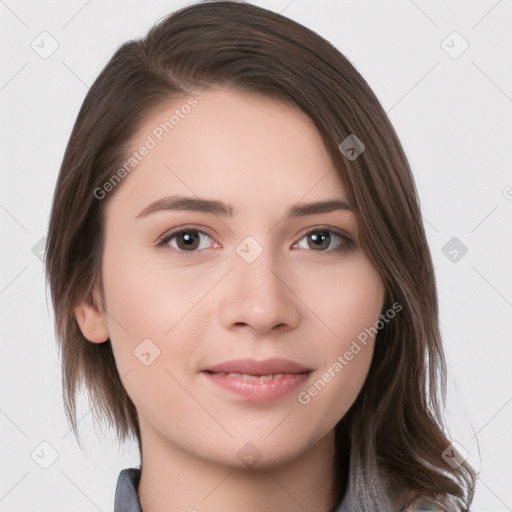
(258, 390)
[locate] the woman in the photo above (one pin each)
(241, 279)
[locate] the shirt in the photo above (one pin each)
(127, 498)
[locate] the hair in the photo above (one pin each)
(394, 434)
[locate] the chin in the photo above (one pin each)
(260, 454)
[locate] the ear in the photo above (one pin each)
(91, 318)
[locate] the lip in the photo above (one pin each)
(264, 383)
(255, 367)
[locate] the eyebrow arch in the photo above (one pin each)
(199, 204)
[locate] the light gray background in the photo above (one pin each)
(453, 116)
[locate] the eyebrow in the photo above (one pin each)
(215, 207)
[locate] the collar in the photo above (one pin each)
(127, 498)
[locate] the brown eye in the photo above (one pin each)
(186, 240)
(319, 240)
(325, 240)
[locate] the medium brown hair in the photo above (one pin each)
(394, 434)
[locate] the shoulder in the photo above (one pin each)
(404, 497)
(411, 500)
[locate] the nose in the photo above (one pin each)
(259, 296)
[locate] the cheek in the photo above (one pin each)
(151, 301)
(345, 298)
(348, 301)
(336, 386)
(133, 288)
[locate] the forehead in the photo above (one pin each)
(249, 150)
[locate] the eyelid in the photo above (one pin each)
(162, 239)
(324, 227)
(165, 237)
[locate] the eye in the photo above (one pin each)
(185, 240)
(320, 239)
(190, 240)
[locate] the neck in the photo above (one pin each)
(174, 480)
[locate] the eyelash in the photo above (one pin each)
(345, 244)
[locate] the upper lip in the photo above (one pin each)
(255, 367)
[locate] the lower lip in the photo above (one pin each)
(258, 390)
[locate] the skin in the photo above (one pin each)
(294, 301)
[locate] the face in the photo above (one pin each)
(187, 288)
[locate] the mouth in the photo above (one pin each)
(258, 368)
(258, 381)
(249, 376)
